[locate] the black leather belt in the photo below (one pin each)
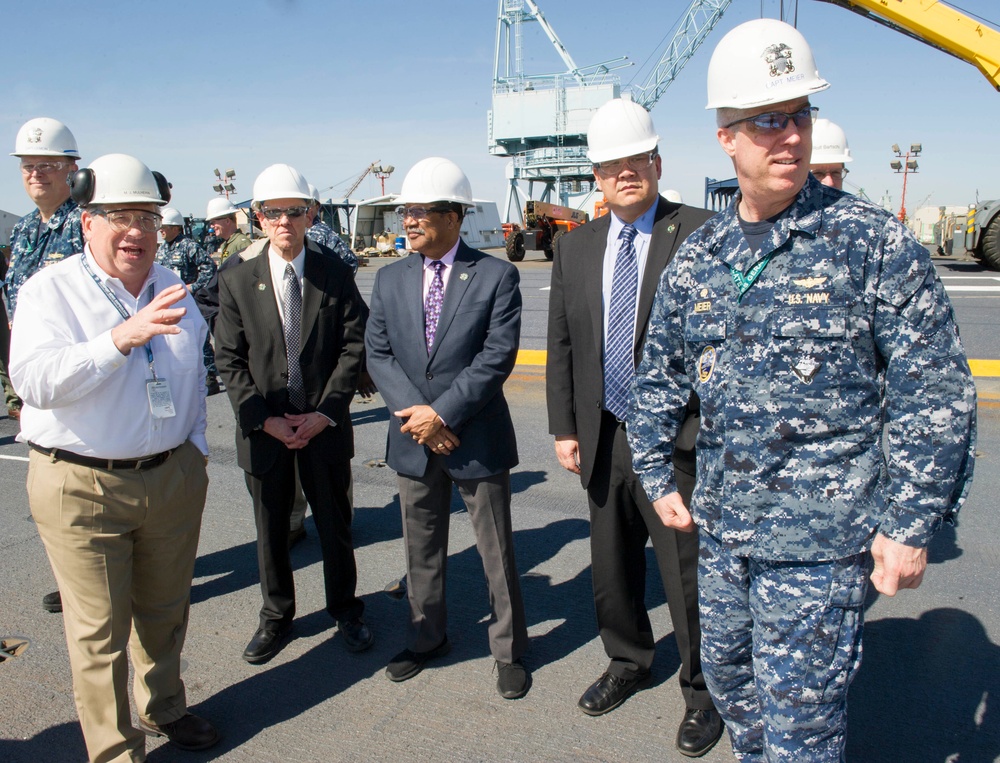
(133, 464)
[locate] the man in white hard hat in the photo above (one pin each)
(221, 216)
(195, 268)
(815, 330)
(604, 276)
(442, 338)
(296, 303)
(118, 499)
(830, 152)
(48, 154)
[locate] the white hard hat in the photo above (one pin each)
(314, 192)
(280, 181)
(218, 207)
(119, 179)
(435, 179)
(761, 62)
(45, 137)
(619, 129)
(675, 196)
(829, 144)
(171, 217)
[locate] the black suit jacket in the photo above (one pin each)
(574, 375)
(462, 377)
(250, 353)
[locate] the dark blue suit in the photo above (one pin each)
(461, 378)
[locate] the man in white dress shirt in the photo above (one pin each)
(106, 354)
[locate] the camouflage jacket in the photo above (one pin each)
(234, 245)
(188, 260)
(846, 330)
(323, 234)
(34, 246)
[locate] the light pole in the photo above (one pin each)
(904, 164)
(225, 184)
(382, 172)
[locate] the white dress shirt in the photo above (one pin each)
(80, 393)
(277, 266)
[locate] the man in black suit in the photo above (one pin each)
(290, 338)
(604, 277)
(442, 338)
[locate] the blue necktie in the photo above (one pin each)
(293, 338)
(618, 354)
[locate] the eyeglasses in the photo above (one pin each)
(775, 122)
(636, 163)
(835, 174)
(43, 168)
(420, 213)
(123, 220)
(290, 212)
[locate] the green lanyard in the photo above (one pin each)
(744, 282)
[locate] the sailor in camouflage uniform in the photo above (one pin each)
(48, 154)
(323, 234)
(221, 216)
(809, 322)
(178, 252)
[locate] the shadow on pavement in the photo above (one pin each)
(63, 743)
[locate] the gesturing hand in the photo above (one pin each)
(158, 317)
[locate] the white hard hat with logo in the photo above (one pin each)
(829, 144)
(620, 128)
(436, 179)
(280, 181)
(218, 207)
(45, 137)
(119, 179)
(171, 216)
(314, 192)
(759, 63)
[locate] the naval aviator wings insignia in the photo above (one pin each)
(811, 282)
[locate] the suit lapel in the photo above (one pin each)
(463, 271)
(592, 266)
(413, 297)
(313, 286)
(661, 248)
(263, 292)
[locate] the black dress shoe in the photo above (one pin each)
(357, 635)
(512, 679)
(407, 664)
(189, 732)
(609, 691)
(698, 733)
(52, 602)
(266, 643)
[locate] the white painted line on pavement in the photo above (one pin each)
(971, 288)
(14, 458)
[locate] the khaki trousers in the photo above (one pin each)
(122, 545)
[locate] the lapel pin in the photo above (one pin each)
(261, 287)
(463, 276)
(671, 228)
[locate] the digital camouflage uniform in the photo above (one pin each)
(323, 234)
(195, 268)
(34, 246)
(846, 329)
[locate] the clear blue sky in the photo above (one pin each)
(331, 86)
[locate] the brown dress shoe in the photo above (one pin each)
(188, 732)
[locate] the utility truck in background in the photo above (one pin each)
(544, 224)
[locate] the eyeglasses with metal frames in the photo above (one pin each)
(121, 220)
(290, 212)
(419, 213)
(835, 174)
(774, 122)
(43, 168)
(636, 163)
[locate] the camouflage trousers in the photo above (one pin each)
(208, 356)
(780, 645)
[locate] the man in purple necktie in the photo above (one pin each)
(441, 340)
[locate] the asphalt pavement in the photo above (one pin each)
(928, 689)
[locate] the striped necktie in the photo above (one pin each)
(619, 363)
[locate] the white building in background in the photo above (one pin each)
(927, 222)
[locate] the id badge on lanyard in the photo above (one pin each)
(161, 402)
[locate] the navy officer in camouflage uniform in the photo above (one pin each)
(323, 234)
(48, 154)
(193, 265)
(810, 323)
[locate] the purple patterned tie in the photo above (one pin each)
(432, 305)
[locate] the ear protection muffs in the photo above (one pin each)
(81, 186)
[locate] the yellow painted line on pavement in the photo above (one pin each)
(980, 368)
